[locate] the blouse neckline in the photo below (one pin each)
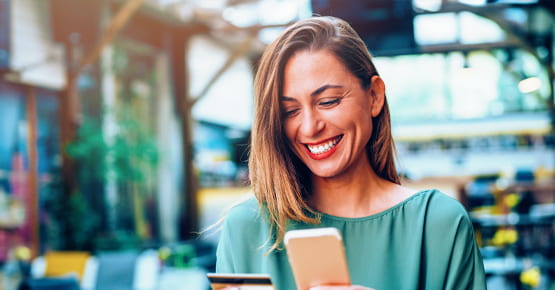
(376, 215)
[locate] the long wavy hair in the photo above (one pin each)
(280, 181)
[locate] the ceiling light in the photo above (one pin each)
(427, 5)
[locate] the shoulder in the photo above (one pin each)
(446, 219)
(443, 210)
(446, 222)
(444, 203)
(241, 239)
(244, 224)
(244, 213)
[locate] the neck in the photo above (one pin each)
(355, 195)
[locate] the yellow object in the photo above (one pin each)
(512, 199)
(503, 237)
(531, 277)
(542, 173)
(164, 253)
(22, 253)
(60, 263)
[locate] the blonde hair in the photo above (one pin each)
(280, 181)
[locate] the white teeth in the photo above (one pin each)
(323, 148)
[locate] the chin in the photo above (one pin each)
(325, 173)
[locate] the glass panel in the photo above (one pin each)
(437, 28)
(233, 89)
(447, 28)
(478, 84)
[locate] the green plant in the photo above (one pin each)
(72, 222)
(129, 159)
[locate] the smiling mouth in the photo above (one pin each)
(324, 147)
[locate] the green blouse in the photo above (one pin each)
(424, 242)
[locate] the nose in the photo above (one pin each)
(311, 123)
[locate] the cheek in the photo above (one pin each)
(358, 121)
(347, 118)
(289, 130)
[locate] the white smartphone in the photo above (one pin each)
(317, 257)
(240, 281)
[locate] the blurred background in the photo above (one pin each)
(124, 128)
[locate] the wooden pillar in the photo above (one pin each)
(31, 112)
(191, 221)
(185, 102)
(69, 109)
(188, 219)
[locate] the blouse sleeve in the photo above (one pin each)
(240, 247)
(466, 268)
(224, 257)
(455, 261)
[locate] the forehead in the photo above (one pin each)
(320, 57)
(311, 69)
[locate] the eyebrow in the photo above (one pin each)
(323, 88)
(315, 92)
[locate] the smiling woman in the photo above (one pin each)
(327, 112)
(322, 155)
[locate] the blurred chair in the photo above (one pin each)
(147, 271)
(63, 263)
(68, 283)
(59, 267)
(127, 270)
(116, 270)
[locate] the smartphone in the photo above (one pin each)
(241, 281)
(317, 257)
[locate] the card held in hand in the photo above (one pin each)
(240, 281)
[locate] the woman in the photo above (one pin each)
(322, 155)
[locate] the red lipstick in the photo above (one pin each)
(326, 154)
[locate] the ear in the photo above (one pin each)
(377, 95)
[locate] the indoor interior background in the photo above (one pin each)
(125, 125)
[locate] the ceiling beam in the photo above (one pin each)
(235, 54)
(115, 25)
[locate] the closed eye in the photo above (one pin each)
(289, 113)
(328, 102)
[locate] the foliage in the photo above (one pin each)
(128, 156)
(134, 151)
(72, 222)
(118, 240)
(89, 149)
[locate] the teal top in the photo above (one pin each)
(425, 242)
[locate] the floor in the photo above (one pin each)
(169, 279)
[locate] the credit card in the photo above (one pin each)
(242, 281)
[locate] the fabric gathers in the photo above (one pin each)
(425, 242)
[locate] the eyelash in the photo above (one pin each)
(289, 113)
(330, 102)
(333, 101)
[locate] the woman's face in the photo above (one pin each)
(327, 114)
